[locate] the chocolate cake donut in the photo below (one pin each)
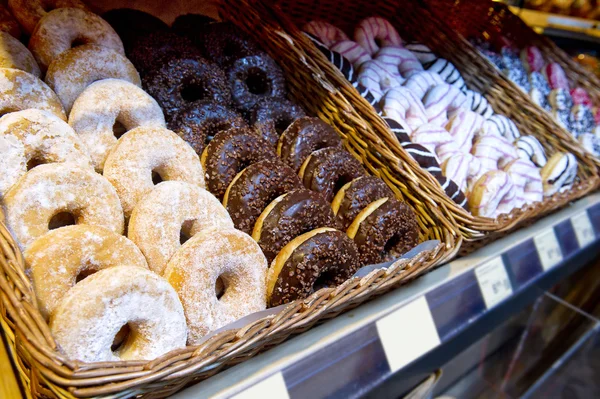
(223, 43)
(288, 216)
(131, 24)
(190, 25)
(272, 116)
(319, 258)
(254, 188)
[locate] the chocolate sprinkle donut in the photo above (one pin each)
(272, 116)
(304, 136)
(357, 195)
(223, 43)
(254, 188)
(131, 24)
(191, 25)
(199, 122)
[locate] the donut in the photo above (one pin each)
(532, 59)
(319, 258)
(463, 126)
(479, 104)
(581, 97)
(76, 69)
(170, 213)
(529, 148)
(91, 314)
(559, 173)
(327, 170)
(397, 59)
(442, 100)
(540, 89)
(556, 76)
(373, 32)
(253, 78)
(8, 23)
(527, 179)
(383, 231)
(377, 79)
(489, 191)
(422, 52)
(463, 169)
(500, 125)
(190, 25)
(229, 153)
(437, 140)
(106, 104)
(20, 90)
(449, 73)
(131, 24)
(590, 142)
(272, 116)
(561, 102)
(514, 69)
(304, 136)
(13, 54)
(421, 82)
(226, 254)
(51, 192)
(224, 43)
(494, 152)
(401, 104)
(30, 12)
(352, 51)
(581, 120)
(327, 33)
(12, 162)
(60, 258)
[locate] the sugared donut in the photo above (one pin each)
(253, 78)
(322, 256)
(49, 192)
(223, 43)
(228, 255)
(64, 28)
(8, 23)
(106, 104)
(131, 24)
(13, 54)
(199, 122)
(91, 314)
(272, 116)
(20, 90)
(288, 216)
(355, 196)
(12, 162)
(253, 189)
(146, 155)
(229, 153)
(59, 259)
(76, 69)
(29, 12)
(172, 212)
(327, 170)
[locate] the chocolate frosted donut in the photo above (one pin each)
(253, 78)
(229, 153)
(289, 216)
(329, 169)
(132, 24)
(223, 43)
(190, 25)
(254, 188)
(319, 258)
(149, 52)
(272, 116)
(304, 136)
(198, 123)
(384, 230)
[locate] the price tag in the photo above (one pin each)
(272, 387)
(407, 333)
(548, 249)
(583, 229)
(494, 282)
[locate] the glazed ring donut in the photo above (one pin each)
(272, 116)
(147, 154)
(13, 54)
(29, 12)
(76, 69)
(421, 82)
(170, 213)
(327, 170)
(131, 24)
(373, 30)
(327, 33)
(559, 173)
(494, 152)
(526, 177)
(193, 271)
(104, 103)
(401, 104)
(53, 190)
(288, 216)
(8, 23)
(399, 60)
(437, 140)
(500, 125)
(253, 78)
(352, 51)
(229, 153)
(59, 259)
(20, 90)
(463, 126)
(253, 189)
(12, 162)
(492, 189)
(304, 136)
(64, 28)
(223, 43)
(323, 256)
(91, 314)
(374, 76)
(190, 25)
(442, 100)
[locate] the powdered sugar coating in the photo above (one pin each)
(91, 313)
(195, 268)
(13, 54)
(12, 162)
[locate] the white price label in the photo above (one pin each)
(548, 249)
(583, 229)
(407, 333)
(494, 282)
(272, 387)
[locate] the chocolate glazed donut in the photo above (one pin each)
(254, 188)
(272, 116)
(132, 24)
(223, 43)
(290, 216)
(304, 136)
(319, 258)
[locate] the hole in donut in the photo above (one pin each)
(231, 48)
(83, 274)
(185, 232)
(193, 92)
(341, 182)
(220, 287)
(389, 249)
(119, 129)
(282, 124)
(80, 41)
(257, 81)
(61, 219)
(33, 162)
(323, 281)
(156, 177)
(379, 42)
(121, 338)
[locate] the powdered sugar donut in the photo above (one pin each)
(494, 152)
(462, 126)
(145, 151)
(91, 314)
(12, 162)
(375, 28)
(556, 76)
(57, 190)
(401, 104)
(559, 173)
(326, 32)
(529, 148)
(13, 54)
(170, 213)
(478, 103)
(500, 125)
(353, 51)
(397, 59)
(29, 12)
(60, 258)
(449, 73)
(421, 82)
(442, 100)
(193, 271)
(377, 79)
(436, 140)
(422, 52)
(104, 103)
(492, 194)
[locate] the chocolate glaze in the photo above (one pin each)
(132, 24)
(329, 169)
(272, 116)
(254, 190)
(223, 43)
(299, 212)
(303, 137)
(390, 231)
(229, 153)
(359, 194)
(327, 259)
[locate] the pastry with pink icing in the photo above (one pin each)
(493, 194)
(442, 100)
(532, 59)
(493, 151)
(353, 51)
(463, 126)
(421, 82)
(556, 77)
(327, 33)
(373, 32)
(527, 179)
(437, 140)
(397, 59)
(377, 79)
(401, 104)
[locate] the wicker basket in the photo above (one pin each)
(279, 24)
